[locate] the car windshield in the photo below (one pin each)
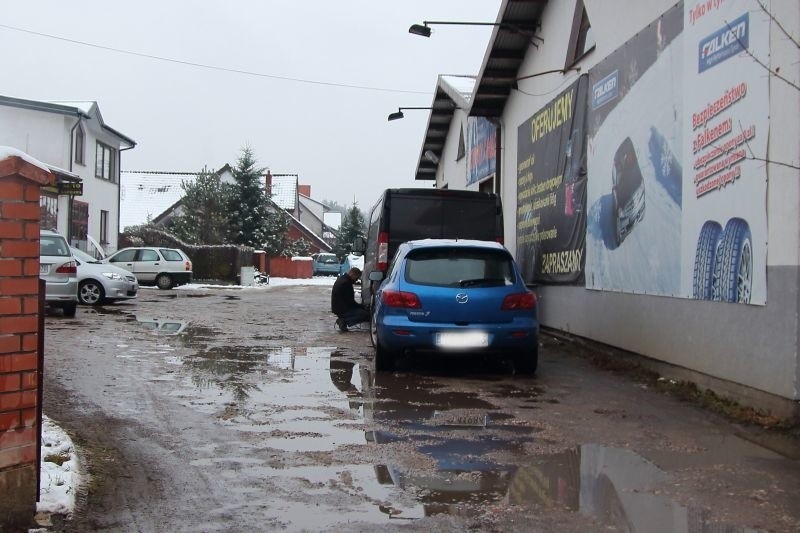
(459, 267)
(53, 245)
(327, 258)
(80, 255)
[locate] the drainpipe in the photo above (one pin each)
(119, 195)
(70, 157)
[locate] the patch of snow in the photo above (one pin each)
(7, 151)
(59, 481)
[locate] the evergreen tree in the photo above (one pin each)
(204, 218)
(254, 220)
(352, 226)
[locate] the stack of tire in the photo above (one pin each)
(723, 265)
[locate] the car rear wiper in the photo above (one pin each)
(481, 281)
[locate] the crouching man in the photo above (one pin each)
(343, 302)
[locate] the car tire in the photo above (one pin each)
(525, 364)
(69, 309)
(733, 263)
(384, 359)
(704, 260)
(164, 281)
(91, 292)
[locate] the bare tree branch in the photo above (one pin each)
(778, 24)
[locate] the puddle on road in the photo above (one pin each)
(313, 400)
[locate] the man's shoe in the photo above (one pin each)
(341, 325)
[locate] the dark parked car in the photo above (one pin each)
(454, 297)
(628, 190)
(402, 215)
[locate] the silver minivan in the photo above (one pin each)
(57, 267)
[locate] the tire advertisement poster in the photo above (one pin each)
(481, 149)
(726, 121)
(674, 208)
(551, 189)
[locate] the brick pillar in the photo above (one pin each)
(20, 180)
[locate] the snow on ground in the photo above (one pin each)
(60, 469)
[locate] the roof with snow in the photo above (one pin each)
(284, 191)
(146, 194)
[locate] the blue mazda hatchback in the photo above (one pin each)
(454, 297)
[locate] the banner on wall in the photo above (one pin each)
(481, 149)
(551, 189)
(673, 206)
(725, 123)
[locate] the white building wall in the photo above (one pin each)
(44, 136)
(752, 346)
(100, 194)
(451, 171)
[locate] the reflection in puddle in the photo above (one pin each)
(476, 457)
(162, 325)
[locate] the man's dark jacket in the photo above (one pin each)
(342, 295)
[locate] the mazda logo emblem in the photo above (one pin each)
(462, 298)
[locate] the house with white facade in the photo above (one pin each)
(646, 154)
(84, 153)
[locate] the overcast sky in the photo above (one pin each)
(337, 139)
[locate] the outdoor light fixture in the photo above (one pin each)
(430, 156)
(399, 114)
(425, 31)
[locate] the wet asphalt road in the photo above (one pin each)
(257, 415)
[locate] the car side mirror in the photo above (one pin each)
(359, 245)
(376, 275)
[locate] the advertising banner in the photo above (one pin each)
(674, 207)
(726, 120)
(551, 189)
(481, 149)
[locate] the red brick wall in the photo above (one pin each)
(19, 341)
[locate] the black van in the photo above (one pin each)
(402, 215)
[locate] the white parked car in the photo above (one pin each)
(57, 267)
(100, 282)
(154, 265)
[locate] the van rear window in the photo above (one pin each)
(424, 217)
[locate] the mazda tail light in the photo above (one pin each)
(519, 301)
(406, 300)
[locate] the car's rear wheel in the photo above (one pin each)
(69, 309)
(90, 292)
(164, 281)
(384, 359)
(526, 362)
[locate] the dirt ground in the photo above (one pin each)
(258, 415)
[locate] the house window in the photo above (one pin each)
(103, 227)
(80, 140)
(581, 40)
(105, 162)
(48, 210)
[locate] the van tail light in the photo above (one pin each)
(407, 300)
(70, 267)
(499, 239)
(188, 265)
(519, 301)
(383, 251)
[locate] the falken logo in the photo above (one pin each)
(605, 90)
(724, 43)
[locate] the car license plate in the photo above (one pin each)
(460, 418)
(44, 269)
(462, 339)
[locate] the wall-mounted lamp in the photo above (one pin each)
(554, 71)
(430, 156)
(399, 113)
(425, 31)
